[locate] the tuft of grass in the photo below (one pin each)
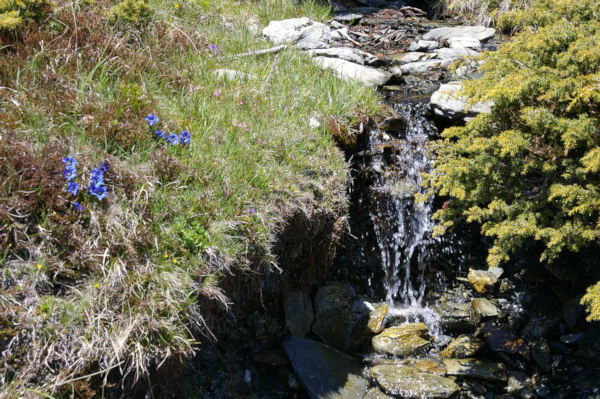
(117, 285)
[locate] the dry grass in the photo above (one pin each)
(482, 12)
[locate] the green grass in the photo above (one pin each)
(117, 284)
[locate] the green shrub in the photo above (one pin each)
(484, 12)
(130, 12)
(531, 168)
(13, 13)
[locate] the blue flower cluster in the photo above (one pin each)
(172, 139)
(70, 173)
(96, 187)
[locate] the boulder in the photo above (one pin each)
(476, 369)
(299, 314)
(424, 45)
(325, 372)
(464, 42)
(404, 340)
(480, 33)
(421, 67)
(480, 280)
(409, 382)
(350, 71)
(333, 320)
(463, 346)
(347, 54)
(299, 32)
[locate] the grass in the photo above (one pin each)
(482, 12)
(116, 286)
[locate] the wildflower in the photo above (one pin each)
(97, 177)
(194, 88)
(176, 5)
(151, 119)
(38, 266)
(99, 192)
(217, 93)
(173, 139)
(77, 206)
(96, 285)
(252, 211)
(214, 48)
(166, 256)
(104, 166)
(96, 186)
(185, 137)
(160, 134)
(70, 173)
(69, 161)
(73, 187)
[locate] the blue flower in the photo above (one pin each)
(173, 139)
(104, 166)
(185, 137)
(69, 161)
(160, 134)
(77, 206)
(214, 48)
(99, 192)
(151, 119)
(73, 187)
(70, 173)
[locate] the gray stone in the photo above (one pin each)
(455, 53)
(347, 17)
(350, 71)
(455, 316)
(483, 308)
(480, 33)
(463, 346)
(404, 340)
(476, 369)
(420, 67)
(333, 321)
(325, 372)
(464, 42)
(448, 100)
(299, 314)
(424, 45)
(347, 54)
(300, 32)
(339, 34)
(409, 382)
(230, 74)
(414, 56)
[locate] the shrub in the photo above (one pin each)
(130, 12)
(531, 168)
(13, 13)
(484, 12)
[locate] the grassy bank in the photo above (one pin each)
(92, 283)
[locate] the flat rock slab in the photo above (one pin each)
(409, 382)
(350, 71)
(448, 103)
(348, 54)
(326, 372)
(424, 45)
(404, 340)
(480, 33)
(476, 368)
(420, 67)
(299, 32)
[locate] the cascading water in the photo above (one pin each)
(403, 226)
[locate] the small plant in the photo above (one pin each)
(130, 12)
(96, 186)
(14, 13)
(172, 139)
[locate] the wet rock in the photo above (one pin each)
(299, 314)
(455, 317)
(420, 67)
(539, 326)
(483, 308)
(480, 280)
(347, 54)
(300, 32)
(326, 372)
(424, 45)
(426, 365)
(375, 393)
(230, 74)
(476, 369)
(350, 71)
(540, 351)
(463, 346)
(377, 317)
(517, 381)
(572, 312)
(571, 338)
(333, 321)
(404, 340)
(409, 382)
(480, 33)
(504, 341)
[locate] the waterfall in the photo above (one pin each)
(403, 226)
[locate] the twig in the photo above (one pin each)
(271, 73)
(261, 52)
(347, 36)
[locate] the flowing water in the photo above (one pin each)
(402, 225)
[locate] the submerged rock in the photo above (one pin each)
(476, 368)
(409, 382)
(350, 71)
(333, 321)
(463, 346)
(480, 33)
(326, 372)
(404, 340)
(377, 317)
(299, 314)
(300, 32)
(448, 103)
(481, 280)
